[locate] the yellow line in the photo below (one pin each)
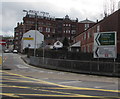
(68, 94)
(9, 94)
(71, 87)
(0, 60)
(21, 81)
(49, 95)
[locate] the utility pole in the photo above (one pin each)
(35, 12)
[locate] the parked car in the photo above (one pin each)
(15, 51)
(6, 51)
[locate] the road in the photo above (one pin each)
(22, 81)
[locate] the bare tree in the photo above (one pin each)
(112, 6)
(109, 7)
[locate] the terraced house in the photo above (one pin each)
(108, 24)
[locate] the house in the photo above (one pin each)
(108, 24)
(32, 39)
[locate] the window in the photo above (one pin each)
(73, 31)
(40, 29)
(98, 28)
(63, 24)
(48, 35)
(16, 37)
(84, 36)
(53, 30)
(86, 26)
(47, 29)
(69, 38)
(67, 31)
(16, 33)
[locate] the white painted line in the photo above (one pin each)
(41, 71)
(20, 66)
(70, 82)
(50, 72)
(61, 73)
(97, 87)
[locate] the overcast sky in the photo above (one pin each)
(11, 11)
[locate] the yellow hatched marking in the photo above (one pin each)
(71, 87)
(49, 95)
(70, 94)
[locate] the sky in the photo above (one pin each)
(11, 11)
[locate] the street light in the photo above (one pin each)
(35, 12)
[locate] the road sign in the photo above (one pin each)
(105, 45)
(105, 38)
(105, 52)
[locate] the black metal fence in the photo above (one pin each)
(61, 54)
(89, 67)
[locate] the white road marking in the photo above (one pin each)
(41, 71)
(61, 73)
(21, 66)
(50, 72)
(97, 87)
(70, 82)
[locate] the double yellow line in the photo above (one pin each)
(61, 87)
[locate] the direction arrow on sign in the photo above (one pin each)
(105, 39)
(105, 52)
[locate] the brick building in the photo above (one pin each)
(110, 23)
(53, 28)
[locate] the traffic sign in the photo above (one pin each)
(105, 39)
(105, 52)
(105, 45)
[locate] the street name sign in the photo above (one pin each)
(105, 45)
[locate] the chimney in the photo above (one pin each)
(18, 24)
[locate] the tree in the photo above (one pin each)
(109, 7)
(65, 43)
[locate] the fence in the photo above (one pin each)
(89, 67)
(61, 54)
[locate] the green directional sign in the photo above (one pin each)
(105, 45)
(105, 39)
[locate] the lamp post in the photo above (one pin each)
(35, 33)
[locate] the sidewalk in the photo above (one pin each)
(25, 59)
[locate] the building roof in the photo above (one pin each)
(86, 21)
(78, 44)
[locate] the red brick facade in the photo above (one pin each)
(52, 28)
(110, 23)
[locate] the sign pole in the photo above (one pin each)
(98, 65)
(114, 65)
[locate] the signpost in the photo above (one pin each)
(105, 45)
(1, 52)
